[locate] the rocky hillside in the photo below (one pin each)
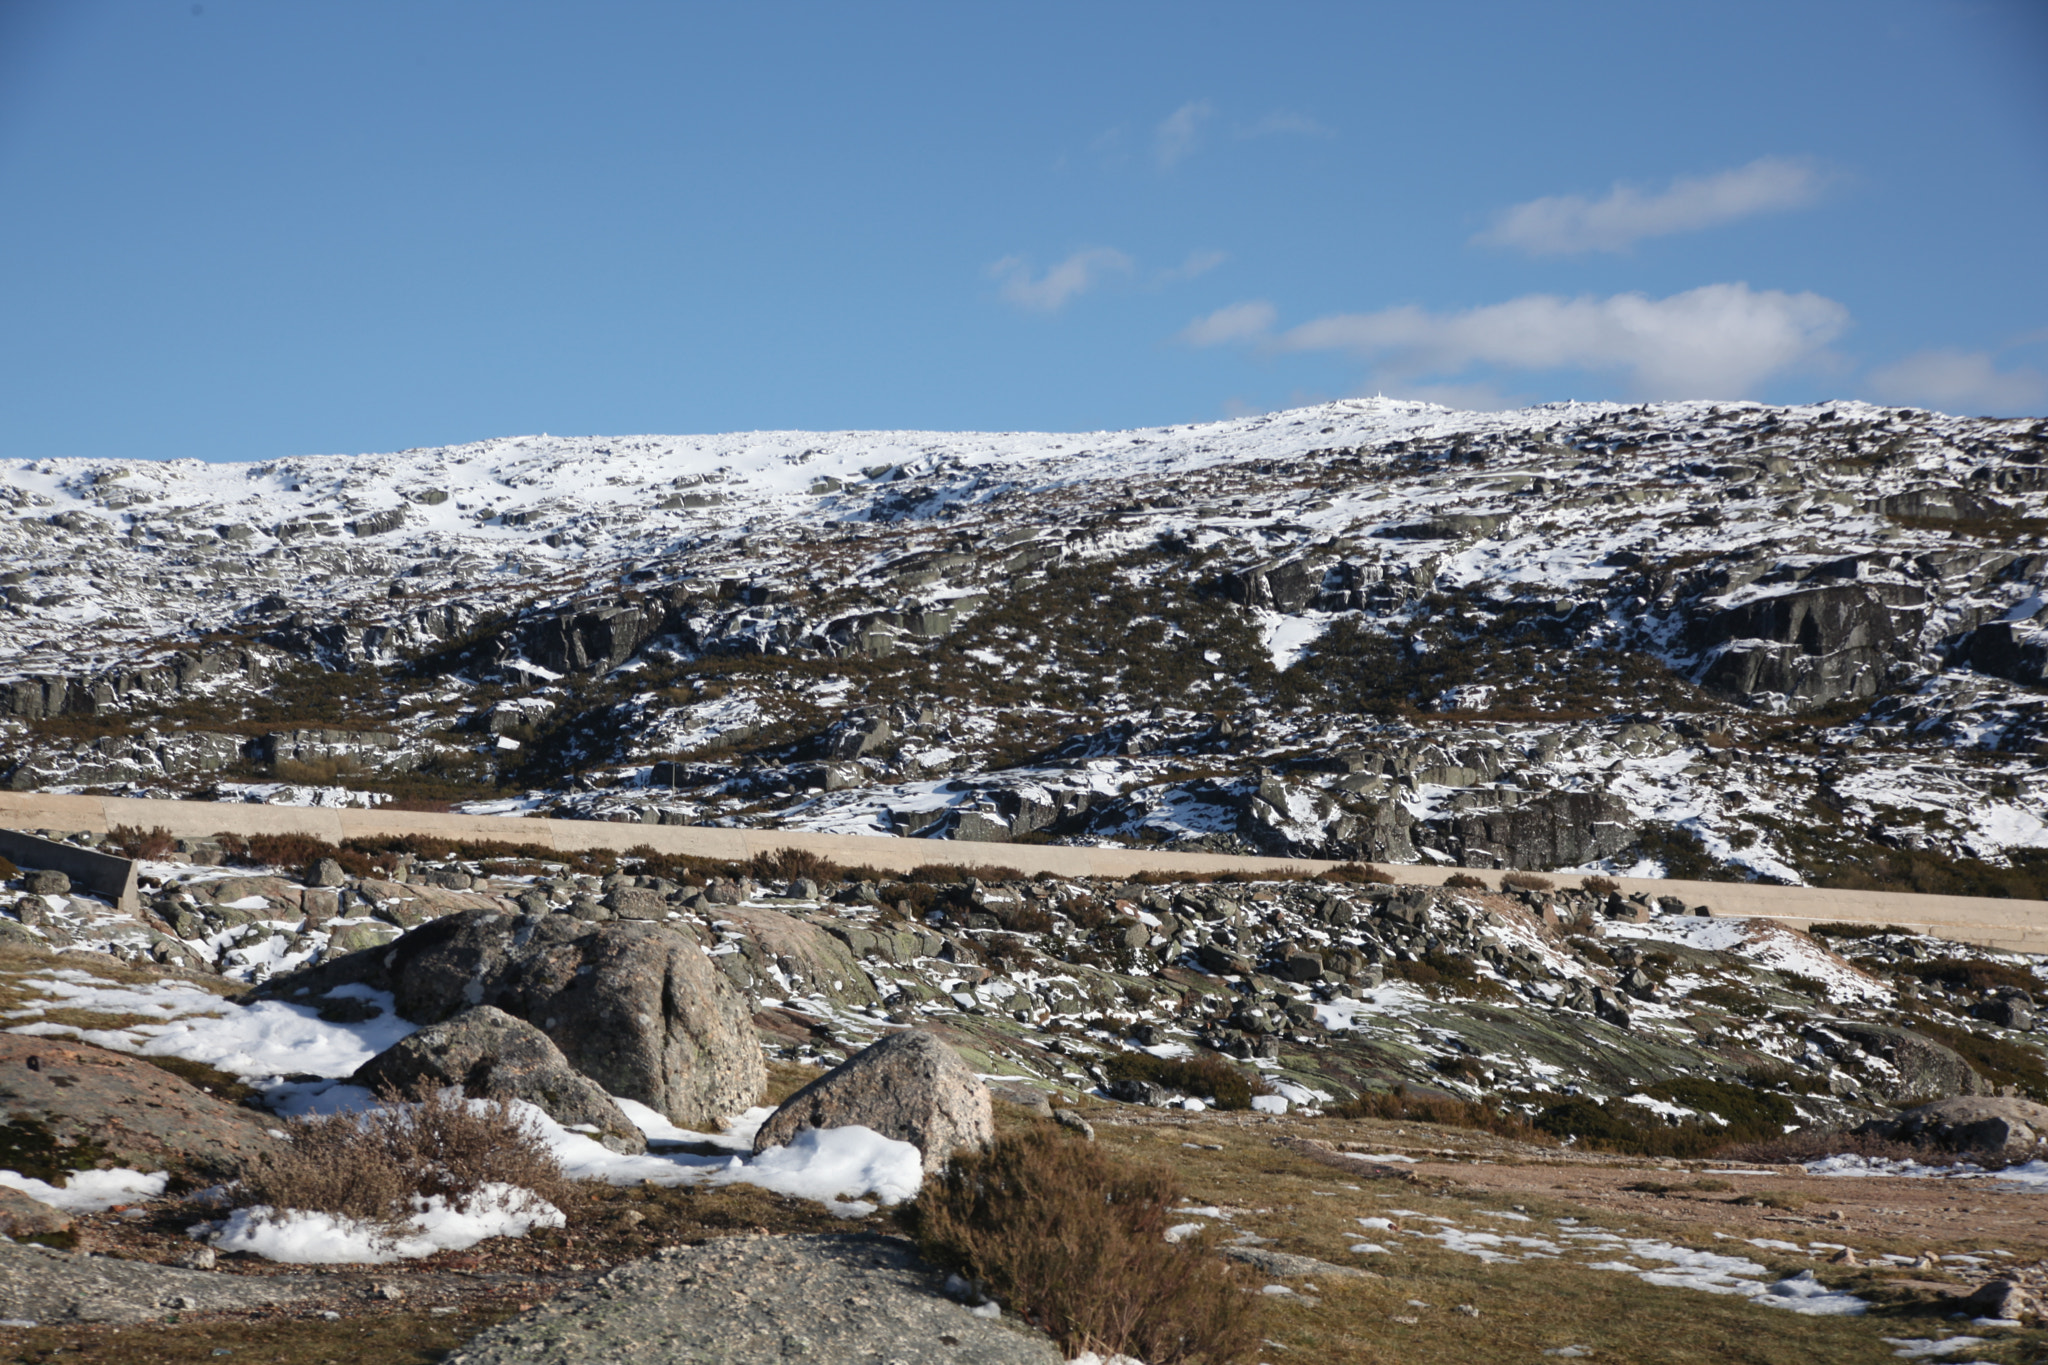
(1797, 644)
(1587, 1011)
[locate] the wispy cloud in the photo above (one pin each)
(1563, 225)
(1197, 263)
(1050, 292)
(1179, 132)
(1969, 381)
(1718, 341)
(1249, 321)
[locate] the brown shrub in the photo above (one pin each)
(943, 874)
(1358, 874)
(370, 1166)
(1465, 881)
(1600, 886)
(296, 853)
(1525, 881)
(1967, 974)
(8, 871)
(1073, 1240)
(1204, 1075)
(1813, 1144)
(1022, 917)
(788, 864)
(1398, 1104)
(154, 843)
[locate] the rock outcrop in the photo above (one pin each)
(494, 1056)
(909, 1086)
(2014, 1129)
(634, 1006)
(65, 1105)
(1916, 1070)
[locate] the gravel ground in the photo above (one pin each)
(48, 1288)
(860, 1300)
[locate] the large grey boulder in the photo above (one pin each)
(634, 1006)
(1984, 1123)
(1920, 1070)
(1809, 646)
(1545, 829)
(909, 1086)
(494, 1056)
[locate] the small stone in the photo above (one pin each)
(1069, 1118)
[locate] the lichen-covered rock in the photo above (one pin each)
(823, 961)
(65, 1105)
(909, 1086)
(494, 1056)
(1982, 1123)
(1916, 1070)
(636, 1007)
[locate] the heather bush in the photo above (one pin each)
(1399, 1105)
(1357, 874)
(371, 1166)
(1525, 881)
(1465, 881)
(1073, 1240)
(130, 842)
(1204, 1075)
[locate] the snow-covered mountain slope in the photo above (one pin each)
(1797, 643)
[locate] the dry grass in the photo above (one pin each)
(372, 1166)
(1073, 1240)
(1409, 1315)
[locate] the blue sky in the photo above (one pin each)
(251, 228)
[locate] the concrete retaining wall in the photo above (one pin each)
(2011, 924)
(101, 873)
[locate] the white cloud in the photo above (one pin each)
(1250, 321)
(1050, 292)
(1175, 138)
(1718, 341)
(1961, 381)
(1567, 224)
(1197, 263)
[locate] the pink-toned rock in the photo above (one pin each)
(63, 1095)
(22, 1217)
